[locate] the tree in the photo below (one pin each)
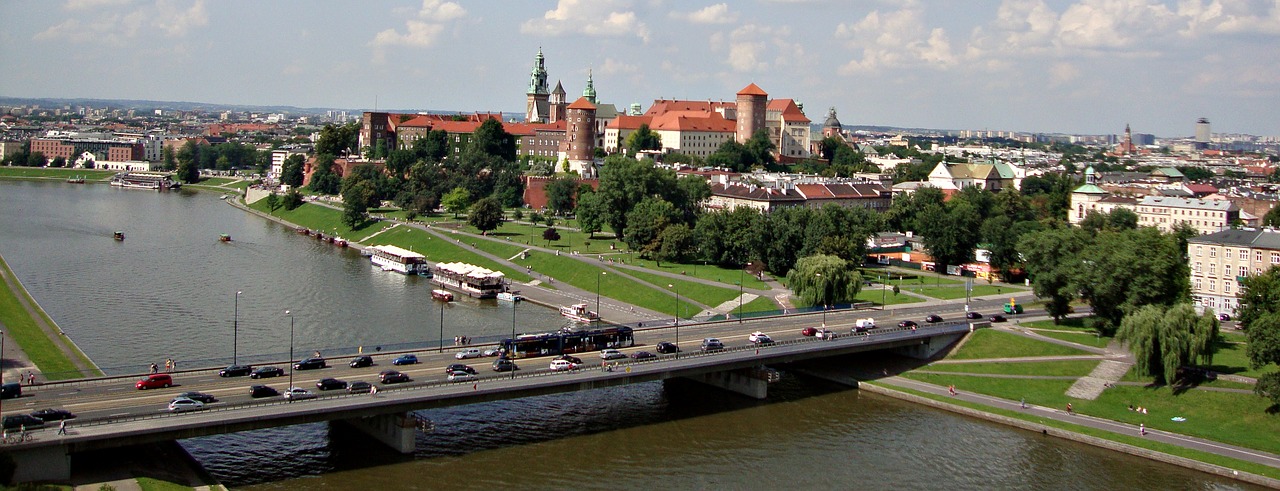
(490, 138)
(188, 165)
(1272, 218)
(273, 202)
(1164, 339)
(625, 182)
(1259, 296)
(675, 243)
(647, 220)
(291, 170)
(58, 162)
(355, 202)
(1121, 271)
(560, 194)
(1052, 257)
(323, 179)
(457, 201)
(485, 214)
(591, 213)
(824, 280)
(550, 235)
(643, 139)
(36, 159)
(292, 199)
(951, 234)
(338, 140)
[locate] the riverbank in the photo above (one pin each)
(36, 345)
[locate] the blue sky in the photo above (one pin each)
(1083, 66)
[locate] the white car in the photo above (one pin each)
(298, 393)
(183, 404)
(759, 338)
(461, 376)
(824, 333)
(611, 354)
(493, 352)
(561, 365)
(469, 353)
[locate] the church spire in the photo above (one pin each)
(538, 75)
(590, 91)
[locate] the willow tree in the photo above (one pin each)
(824, 280)
(1165, 339)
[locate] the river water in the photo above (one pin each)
(168, 291)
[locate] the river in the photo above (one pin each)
(168, 291)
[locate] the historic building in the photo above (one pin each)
(1219, 261)
(1206, 216)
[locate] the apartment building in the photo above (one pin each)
(1220, 260)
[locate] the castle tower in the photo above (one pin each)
(752, 101)
(831, 127)
(590, 92)
(1203, 132)
(1128, 140)
(536, 108)
(557, 103)
(579, 146)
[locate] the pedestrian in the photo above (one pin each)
(154, 368)
(62, 427)
(951, 389)
(1024, 403)
(31, 378)
(1069, 411)
(173, 365)
(1142, 429)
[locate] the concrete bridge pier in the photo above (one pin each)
(51, 463)
(928, 347)
(395, 430)
(750, 382)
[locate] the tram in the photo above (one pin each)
(568, 341)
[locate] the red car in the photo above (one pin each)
(809, 331)
(154, 381)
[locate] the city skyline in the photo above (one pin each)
(1085, 67)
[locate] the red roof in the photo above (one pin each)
(752, 89)
(680, 122)
(814, 191)
(624, 122)
(790, 111)
(582, 103)
(700, 107)
(1202, 188)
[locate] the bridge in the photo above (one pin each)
(112, 413)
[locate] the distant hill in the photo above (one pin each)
(144, 105)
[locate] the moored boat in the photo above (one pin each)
(578, 312)
(340, 242)
(304, 231)
(510, 296)
(118, 235)
(392, 258)
(442, 295)
(225, 237)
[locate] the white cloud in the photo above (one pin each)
(712, 14)
(595, 18)
(894, 40)
(74, 5)
(417, 34)
(756, 48)
(175, 21)
(438, 11)
(1062, 74)
(616, 67)
(1230, 17)
(106, 26)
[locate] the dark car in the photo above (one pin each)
(10, 390)
(405, 360)
(458, 367)
(359, 387)
(198, 396)
(570, 358)
(392, 376)
(16, 421)
(908, 324)
(997, 318)
(504, 365)
(330, 383)
(266, 372)
(933, 318)
(262, 391)
(712, 344)
(665, 347)
(310, 364)
(361, 361)
(972, 315)
(1224, 316)
(642, 355)
(235, 371)
(52, 414)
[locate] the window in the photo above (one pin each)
(1213, 252)
(1197, 267)
(1244, 271)
(1197, 282)
(1257, 256)
(1198, 248)
(1226, 287)
(1244, 254)
(1213, 285)
(1275, 258)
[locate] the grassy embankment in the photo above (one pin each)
(323, 219)
(42, 351)
(53, 173)
(1235, 418)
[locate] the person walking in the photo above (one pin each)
(31, 378)
(62, 427)
(1142, 429)
(1069, 411)
(373, 391)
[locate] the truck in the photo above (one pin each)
(1012, 308)
(864, 324)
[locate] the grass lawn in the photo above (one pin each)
(1231, 358)
(708, 295)
(1050, 393)
(1134, 440)
(42, 351)
(1084, 338)
(153, 484)
(437, 250)
(54, 172)
(1239, 419)
(323, 219)
(762, 304)
(957, 291)
(218, 181)
(926, 280)
(241, 185)
(1076, 323)
(885, 298)
(728, 276)
(585, 275)
(570, 240)
(1072, 368)
(988, 343)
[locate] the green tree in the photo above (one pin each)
(824, 280)
(168, 161)
(1272, 218)
(1052, 257)
(550, 235)
(1259, 296)
(490, 138)
(675, 243)
(560, 194)
(647, 220)
(188, 165)
(291, 170)
(456, 201)
(1163, 339)
(951, 235)
(323, 179)
(355, 201)
(36, 159)
(485, 215)
(1124, 270)
(624, 182)
(338, 139)
(591, 213)
(292, 199)
(642, 139)
(273, 202)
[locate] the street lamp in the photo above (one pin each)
(235, 331)
(290, 314)
(677, 289)
(602, 273)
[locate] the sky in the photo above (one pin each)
(1080, 67)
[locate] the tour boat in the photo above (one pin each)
(392, 258)
(578, 312)
(442, 295)
(144, 180)
(340, 242)
(510, 296)
(225, 237)
(118, 235)
(470, 279)
(304, 231)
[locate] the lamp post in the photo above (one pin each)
(740, 283)
(602, 273)
(235, 331)
(824, 299)
(442, 326)
(290, 314)
(677, 289)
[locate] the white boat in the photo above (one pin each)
(578, 312)
(392, 258)
(470, 279)
(510, 297)
(144, 180)
(442, 295)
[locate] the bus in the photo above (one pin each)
(1012, 308)
(568, 341)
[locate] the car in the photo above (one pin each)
(10, 390)
(933, 318)
(392, 377)
(493, 352)
(17, 421)
(1224, 316)
(359, 387)
(361, 361)
(52, 414)
(154, 381)
(908, 324)
(183, 404)
(824, 333)
(310, 364)
(458, 367)
(405, 360)
(298, 394)
(197, 396)
(560, 365)
(570, 358)
(468, 353)
(997, 318)
(611, 354)
(972, 315)
(759, 338)
(504, 365)
(711, 344)
(330, 384)
(809, 331)
(642, 355)
(461, 376)
(266, 372)
(262, 391)
(665, 347)
(235, 371)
